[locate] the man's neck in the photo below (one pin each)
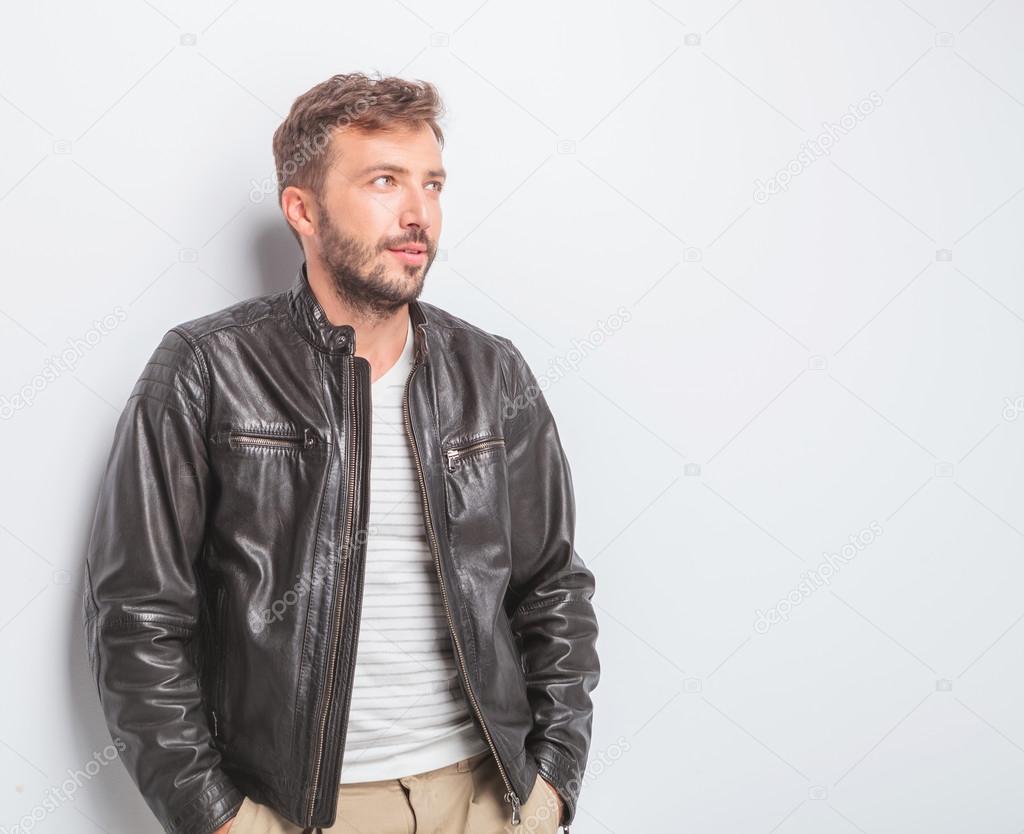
(378, 340)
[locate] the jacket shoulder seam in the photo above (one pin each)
(231, 325)
(160, 402)
(521, 381)
(204, 371)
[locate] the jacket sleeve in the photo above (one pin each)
(141, 598)
(553, 617)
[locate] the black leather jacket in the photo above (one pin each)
(224, 571)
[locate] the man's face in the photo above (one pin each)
(379, 216)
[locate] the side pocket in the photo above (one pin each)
(218, 655)
(514, 642)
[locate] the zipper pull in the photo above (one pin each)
(513, 797)
(452, 455)
(213, 715)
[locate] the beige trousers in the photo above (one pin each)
(461, 798)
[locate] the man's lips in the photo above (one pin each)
(414, 254)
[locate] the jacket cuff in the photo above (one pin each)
(208, 811)
(562, 772)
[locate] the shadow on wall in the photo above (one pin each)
(276, 256)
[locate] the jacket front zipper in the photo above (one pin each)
(510, 794)
(339, 591)
(455, 455)
(270, 440)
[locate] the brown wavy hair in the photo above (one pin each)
(302, 142)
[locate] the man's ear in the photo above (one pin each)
(299, 208)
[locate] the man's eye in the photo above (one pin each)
(437, 185)
(382, 177)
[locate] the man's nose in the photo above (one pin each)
(414, 213)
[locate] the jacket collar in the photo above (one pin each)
(312, 323)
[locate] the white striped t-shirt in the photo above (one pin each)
(408, 713)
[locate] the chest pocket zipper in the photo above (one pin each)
(272, 440)
(455, 456)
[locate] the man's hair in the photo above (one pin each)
(302, 142)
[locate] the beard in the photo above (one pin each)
(361, 279)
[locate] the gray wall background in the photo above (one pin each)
(795, 413)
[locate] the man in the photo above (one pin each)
(331, 583)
